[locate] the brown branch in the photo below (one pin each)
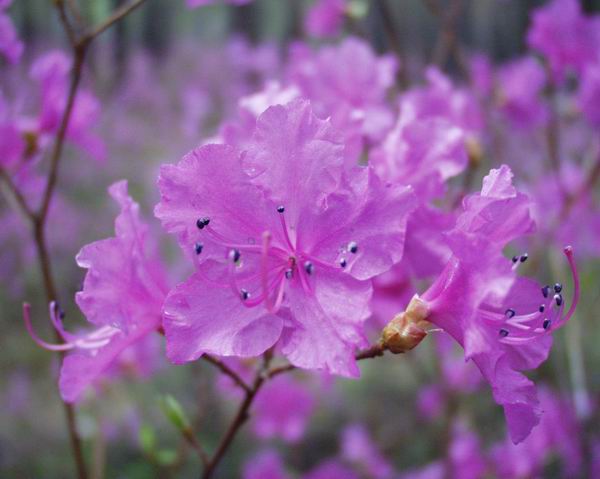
(117, 15)
(372, 352)
(17, 195)
(64, 18)
(389, 27)
(193, 442)
(227, 370)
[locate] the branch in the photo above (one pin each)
(372, 352)
(228, 371)
(387, 17)
(117, 15)
(193, 442)
(18, 196)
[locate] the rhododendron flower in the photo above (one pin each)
(122, 295)
(325, 18)
(265, 465)
(503, 322)
(465, 458)
(520, 87)
(359, 449)
(10, 45)
(51, 71)
(589, 93)
(565, 36)
(558, 432)
(12, 144)
(282, 409)
(286, 240)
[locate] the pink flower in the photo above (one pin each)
(122, 295)
(521, 84)
(282, 409)
(359, 449)
(266, 464)
(565, 36)
(558, 432)
(331, 469)
(465, 454)
(325, 18)
(12, 144)
(10, 45)
(51, 71)
(286, 240)
(589, 93)
(502, 322)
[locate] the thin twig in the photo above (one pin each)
(389, 27)
(193, 442)
(17, 195)
(64, 18)
(227, 370)
(117, 15)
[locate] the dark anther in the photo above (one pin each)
(244, 294)
(280, 209)
(234, 255)
(524, 257)
(509, 313)
(515, 259)
(343, 262)
(546, 324)
(559, 299)
(61, 313)
(202, 222)
(546, 291)
(353, 247)
(542, 308)
(198, 248)
(503, 333)
(557, 287)
(309, 267)
(289, 273)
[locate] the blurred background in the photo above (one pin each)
(166, 77)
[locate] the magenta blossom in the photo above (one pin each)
(282, 409)
(565, 36)
(359, 449)
(589, 93)
(51, 71)
(122, 295)
(503, 322)
(10, 45)
(286, 240)
(265, 465)
(325, 18)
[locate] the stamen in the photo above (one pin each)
(234, 255)
(285, 228)
(569, 254)
(559, 299)
(289, 273)
(509, 313)
(546, 323)
(198, 248)
(244, 294)
(542, 308)
(343, 262)
(524, 257)
(557, 287)
(264, 264)
(309, 267)
(546, 290)
(202, 222)
(503, 333)
(515, 259)
(36, 338)
(280, 209)
(353, 247)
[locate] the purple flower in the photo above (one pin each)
(122, 295)
(282, 409)
(464, 454)
(558, 432)
(12, 144)
(51, 71)
(520, 87)
(10, 45)
(359, 449)
(589, 93)
(286, 240)
(331, 469)
(565, 36)
(265, 465)
(502, 322)
(325, 18)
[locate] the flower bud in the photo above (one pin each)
(407, 329)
